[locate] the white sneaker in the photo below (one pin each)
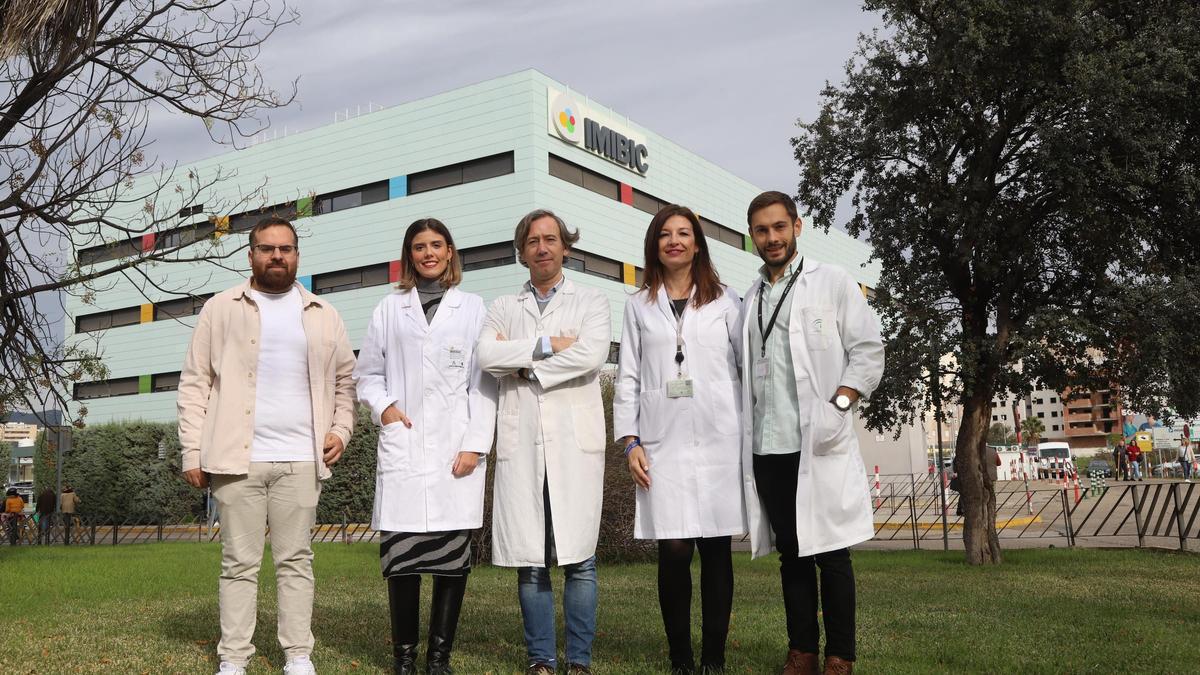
(301, 665)
(228, 668)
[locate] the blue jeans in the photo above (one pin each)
(579, 609)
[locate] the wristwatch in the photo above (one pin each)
(841, 402)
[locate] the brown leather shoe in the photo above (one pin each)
(836, 665)
(801, 663)
(540, 669)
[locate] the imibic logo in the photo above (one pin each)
(568, 118)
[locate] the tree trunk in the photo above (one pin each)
(978, 492)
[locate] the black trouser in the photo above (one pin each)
(775, 477)
(675, 597)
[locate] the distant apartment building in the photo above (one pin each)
(1083, 419)
(15, 432)
(1091, 417)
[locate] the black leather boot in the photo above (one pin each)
(404, 606)
(443, 620)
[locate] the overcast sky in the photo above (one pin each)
(724, 79)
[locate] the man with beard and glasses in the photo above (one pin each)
(812, 351)
(266, 406)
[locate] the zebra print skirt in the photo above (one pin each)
(444, 553)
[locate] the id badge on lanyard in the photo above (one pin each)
(681, 386)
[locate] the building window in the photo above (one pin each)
(352, 197)
(463, 172)
(585, 178)
(183, 236)
(995, 418)
(490, 255)
(345, 280)
(581, 261)
(1054, 413)
(111, 251)
(1053, 399)
(1004, 417)
(188, 211)
(245, 221)
(105, 320)
(722, 234)
(124, 386)
(1037, 401)
(164, 382)
(1041, 415)
(1054, 427)
(647, 203)
(614, 352)
(180, 308)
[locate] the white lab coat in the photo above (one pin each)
(835, 341)
(550, 430)
(693, 444)
(430, 372)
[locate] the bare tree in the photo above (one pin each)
(79, 81)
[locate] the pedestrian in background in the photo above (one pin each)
(46, 501)
(68, 505)
(1133, 457)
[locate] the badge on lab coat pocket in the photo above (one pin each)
(454, 356)
(679, 388)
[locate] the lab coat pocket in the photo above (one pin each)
(831, 430)
(589, 427)
(393, 447)
(818, 326)
(508, 434)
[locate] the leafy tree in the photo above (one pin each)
(79, 80)
(1001, 434)
(6, 460)
(45, 463)
(1026, 174)
(1032, 429)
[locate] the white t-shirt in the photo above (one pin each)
(283, 425)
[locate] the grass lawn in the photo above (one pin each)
(153, 609)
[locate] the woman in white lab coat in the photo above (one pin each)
(418, 374)
(677, 411)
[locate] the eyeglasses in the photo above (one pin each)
(267, 249)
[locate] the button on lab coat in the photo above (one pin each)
(431, 373)
(693, 444)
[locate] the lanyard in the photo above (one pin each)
(774, 315)
(678, 335)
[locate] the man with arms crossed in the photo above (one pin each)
(813, 350)
(266, 406)
(546, 346)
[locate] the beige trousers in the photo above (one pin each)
(282, 496)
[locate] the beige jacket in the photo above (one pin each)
(216, 387)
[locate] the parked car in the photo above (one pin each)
(1100, 466)
(1166, 469)
(24, 489)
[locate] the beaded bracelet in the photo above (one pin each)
(632, 444)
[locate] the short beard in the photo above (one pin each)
(265, 285)
(791, 253)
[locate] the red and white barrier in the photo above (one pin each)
(878, 501)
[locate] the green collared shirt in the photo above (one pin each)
(776, 405)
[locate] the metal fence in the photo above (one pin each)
(1091, 513)
(908, 510)
(82, 530)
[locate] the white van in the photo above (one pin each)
(1051, 453)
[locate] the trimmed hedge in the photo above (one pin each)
(116, 470)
